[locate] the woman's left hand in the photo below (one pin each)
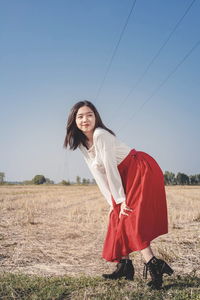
(124, 209)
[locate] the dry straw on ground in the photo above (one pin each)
(59, 230)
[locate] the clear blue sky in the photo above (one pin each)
(55, 53)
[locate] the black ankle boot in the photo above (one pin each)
(124, 269)
(156, 268)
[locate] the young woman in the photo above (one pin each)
(132, 183)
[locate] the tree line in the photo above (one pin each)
(41, 179)
(181, 179)
(169, 177)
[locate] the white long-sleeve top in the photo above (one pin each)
(102, 159)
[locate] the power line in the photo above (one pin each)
(164, 81)
(115, 50)
(156, 55)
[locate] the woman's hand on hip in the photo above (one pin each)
(124, 209)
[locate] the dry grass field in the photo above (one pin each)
(59, 230)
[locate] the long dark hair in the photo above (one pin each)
(74, 136)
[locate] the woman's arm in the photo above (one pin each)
(105, 144)
(102, 183)
(99, 177)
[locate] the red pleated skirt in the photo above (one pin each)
(143, 183)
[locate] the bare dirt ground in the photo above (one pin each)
(59, 230)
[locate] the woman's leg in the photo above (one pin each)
(125, 269)
(125, 257)
(147, 253)
(156, 267)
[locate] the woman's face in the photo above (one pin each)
(85, 119)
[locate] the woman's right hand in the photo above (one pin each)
(124, 209)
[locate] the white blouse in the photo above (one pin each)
(102, 159)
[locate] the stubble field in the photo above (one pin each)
(59, 231)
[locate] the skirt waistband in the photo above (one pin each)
(132, 152)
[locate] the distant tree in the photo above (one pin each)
(85, 181)
(193, 179)
(2, 176)
(49, 181)
(78, 179)
(169, 178)
(198, 178)
(39, 179)
(64, 182)
(182, 179)
(93, 181)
